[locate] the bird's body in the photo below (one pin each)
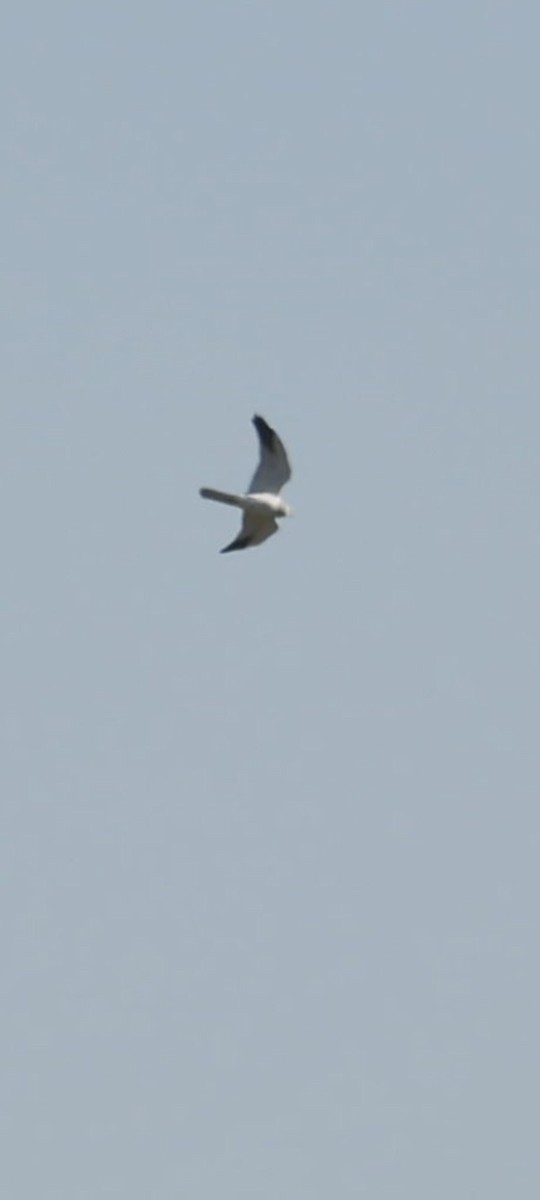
(261, 504)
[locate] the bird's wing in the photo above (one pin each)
(274, 469)
(256, 528)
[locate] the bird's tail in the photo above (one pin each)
(223, 497)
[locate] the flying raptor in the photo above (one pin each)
(261, 504)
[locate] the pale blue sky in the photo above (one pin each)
(271, 835)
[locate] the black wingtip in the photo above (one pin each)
(240, 543)
(265, 431)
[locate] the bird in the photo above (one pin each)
(261, 505)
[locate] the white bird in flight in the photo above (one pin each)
(261, 504)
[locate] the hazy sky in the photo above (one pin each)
(270, 845)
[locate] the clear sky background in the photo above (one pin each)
(269, 877)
